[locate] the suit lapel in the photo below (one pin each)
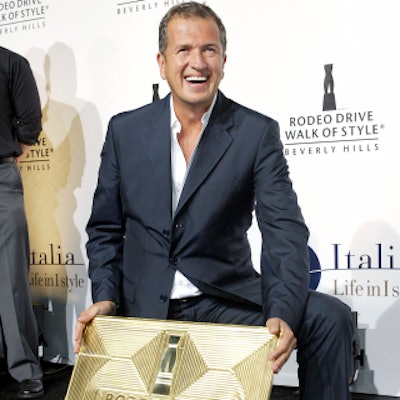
(157, 141)
(213, 145)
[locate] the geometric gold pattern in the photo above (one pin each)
(148, 359)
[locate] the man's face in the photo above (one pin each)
(193, 63)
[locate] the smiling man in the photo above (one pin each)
(178, 183)
(193, 64)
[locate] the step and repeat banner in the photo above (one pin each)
(328, 71)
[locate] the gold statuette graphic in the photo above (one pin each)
(148, 359)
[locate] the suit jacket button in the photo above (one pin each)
(174, 261)
(166, 232)
(163, 298)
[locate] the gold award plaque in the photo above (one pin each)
(148, 359)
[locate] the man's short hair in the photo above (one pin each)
(190, 9)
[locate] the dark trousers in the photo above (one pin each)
(17, 318)
(324, 340)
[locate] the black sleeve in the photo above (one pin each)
(26, 102)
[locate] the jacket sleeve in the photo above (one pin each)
(106, 228)
(284, 258)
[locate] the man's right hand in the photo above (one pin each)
(106, 307)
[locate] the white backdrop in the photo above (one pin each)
(95, 58)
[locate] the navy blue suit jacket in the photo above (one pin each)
(135, 245)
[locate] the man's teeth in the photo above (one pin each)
(196, 78)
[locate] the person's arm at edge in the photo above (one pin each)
(26, 100)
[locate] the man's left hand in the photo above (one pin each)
(286, 344)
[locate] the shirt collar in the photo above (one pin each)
(204, 119)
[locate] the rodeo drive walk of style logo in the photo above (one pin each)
(22, 15)
(332, 131)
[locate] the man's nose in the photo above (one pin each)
(197, 60)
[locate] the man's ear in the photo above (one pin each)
(161, 64)
(223, 70)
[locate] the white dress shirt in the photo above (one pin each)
(182, 287)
